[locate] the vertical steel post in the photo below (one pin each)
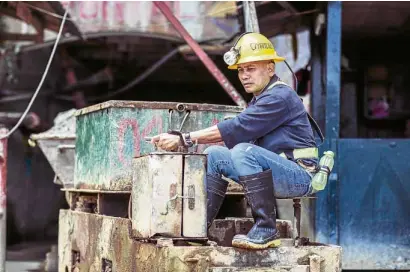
(250, 16)
(333, 56)
(209, 64)
(333, 64)
(318, 93)
(3, 198)
(318, 107)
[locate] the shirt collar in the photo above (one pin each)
(272, 80)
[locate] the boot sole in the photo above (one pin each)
(249, 245)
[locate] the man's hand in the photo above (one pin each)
(167, 142)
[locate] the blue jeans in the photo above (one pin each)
(289, 179)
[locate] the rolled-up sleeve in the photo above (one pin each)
(268, 113)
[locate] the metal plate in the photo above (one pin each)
(194, 207)
(374, 203)
(156, 192)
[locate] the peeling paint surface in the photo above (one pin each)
(98, 237)
(111, 134)
(194, 210)
(169, 195)
(156, 207)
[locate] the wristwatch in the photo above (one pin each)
(188, 140)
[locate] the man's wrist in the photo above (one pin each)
(188, 140)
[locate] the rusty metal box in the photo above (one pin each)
(169, 195)
(111, 134)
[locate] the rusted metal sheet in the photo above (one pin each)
(223, 230)
(111, 134)
(158, 105)
(194, 207)
(156, 205)
(96, 240)
(168, 195)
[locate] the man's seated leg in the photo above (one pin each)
(219, 163)
(259, 193)
(265, 174)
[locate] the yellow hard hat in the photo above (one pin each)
(251, 47)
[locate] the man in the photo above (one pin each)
(270, 147)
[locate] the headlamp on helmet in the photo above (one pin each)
(231, 57)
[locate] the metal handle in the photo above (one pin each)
(65, 146)
(187, 112)
(175, 197)
(191, 197)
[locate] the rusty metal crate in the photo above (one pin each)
(110, 134)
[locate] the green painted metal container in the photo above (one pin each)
(111, 134)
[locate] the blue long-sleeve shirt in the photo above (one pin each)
(275, 120)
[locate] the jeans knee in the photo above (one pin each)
(217, 152)
(241, 151)
(215, 149)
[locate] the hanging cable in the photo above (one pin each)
(42, 79)
(294, 76)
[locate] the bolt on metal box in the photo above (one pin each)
(169, 195)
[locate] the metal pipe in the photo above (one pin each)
(30, 121)
(3, 197)
(251, 18)
(209, 64)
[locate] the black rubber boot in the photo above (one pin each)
(216, 190)
(259, 193)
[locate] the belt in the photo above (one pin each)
(303, 153)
